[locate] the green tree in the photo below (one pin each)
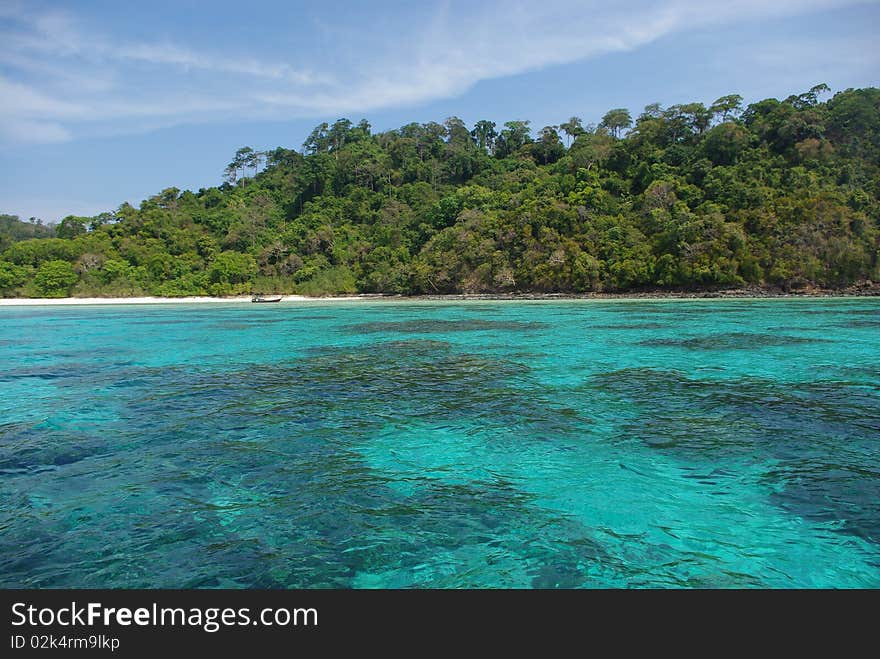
(515, 136)
(616, 120)
(727, 107)
(244, 157)
(232, 268)
(55, 278)
(572, 128)
(338, 134)
(484, 135)
(548, 149)
(457, 132)
(11, 276)
(725, 143)
(72, 226)
(36, 251)
(318, 140)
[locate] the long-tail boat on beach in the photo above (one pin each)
(259, 297)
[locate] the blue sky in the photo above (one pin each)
(106, 101)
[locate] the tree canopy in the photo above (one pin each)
(781, 192)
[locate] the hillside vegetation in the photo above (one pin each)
(782, 193)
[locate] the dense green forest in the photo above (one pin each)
(778, 193)
(12, 230)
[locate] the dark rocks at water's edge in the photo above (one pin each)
(861, 289)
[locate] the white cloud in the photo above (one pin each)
(35, 131)
(49, 59)
(28, 101)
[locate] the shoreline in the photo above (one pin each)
(867, 290)
(80, 301)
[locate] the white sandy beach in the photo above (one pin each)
(376, 297)
(27, 302)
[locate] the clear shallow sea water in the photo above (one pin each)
(730, 443)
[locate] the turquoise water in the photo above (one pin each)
(729, 443)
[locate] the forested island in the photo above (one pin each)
(775, 194)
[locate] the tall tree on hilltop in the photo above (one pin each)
(572, 128)
(727, 107)
(244, 157)
(337, 135)
(318, 140)
(457, 132)
(616, 120)
(548, 149)
(484, 134)
(515, 136)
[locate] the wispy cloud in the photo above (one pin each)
(61, 77)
